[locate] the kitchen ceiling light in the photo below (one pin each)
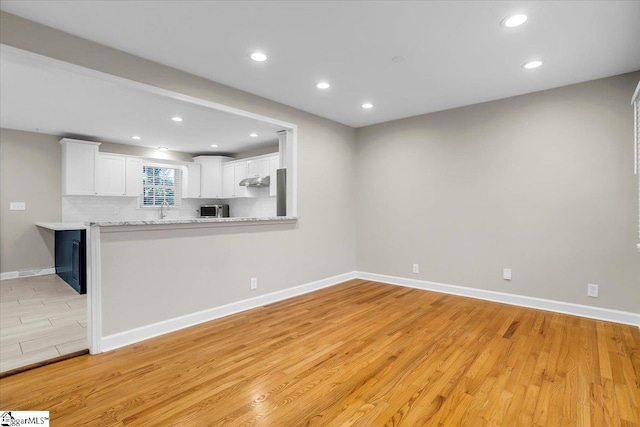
(253, 135)
(163, 149)
(214, 145)
(514, 21)
(258, 56)
(367, 106)
(176, 119)
(323, 85)
(532, 64)
(136, 137)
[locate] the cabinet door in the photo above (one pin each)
(252, 168)
(228, 181)
(211, 175)
(240, 174)
(263, 167)
(78, 168)
(193, 181)
(258, 167)
(274, 165)
(110, 175)
(133, 182)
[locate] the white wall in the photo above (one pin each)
(540, 183)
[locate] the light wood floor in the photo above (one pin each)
(41, 318)
(360, 353)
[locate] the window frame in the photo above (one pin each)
(177, 185)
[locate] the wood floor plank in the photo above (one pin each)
(360, 353)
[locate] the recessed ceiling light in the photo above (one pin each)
(258, 56)
(163, 149)
(323, 85)
(532, 64)
(253, 135)
(514, 21)
(176, 119)
(367, 105)
(136, 137)
(214, 145)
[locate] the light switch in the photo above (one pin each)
(17, 206)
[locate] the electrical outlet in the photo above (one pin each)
(592, 290)
(254, 283)
(506, 274)
(17, 206)
(416, 268)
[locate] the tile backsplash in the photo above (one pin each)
(102, 208)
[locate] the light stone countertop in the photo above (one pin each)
(61, 226)
(178, 221)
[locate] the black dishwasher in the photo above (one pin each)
(71, 258)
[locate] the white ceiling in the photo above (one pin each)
(456, 53)
(41, 95)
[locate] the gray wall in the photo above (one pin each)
(30, 172)
(30, 164)
(540, 183)
(213, 266)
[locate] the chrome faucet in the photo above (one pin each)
(162, 206)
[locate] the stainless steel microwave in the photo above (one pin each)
(214, 211)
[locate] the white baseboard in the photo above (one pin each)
(132, 336)
(598, 313)
(27, 273)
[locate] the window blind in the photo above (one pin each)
(160, 184)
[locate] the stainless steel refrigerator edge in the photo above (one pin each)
(281, 192)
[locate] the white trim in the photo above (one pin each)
(636, 94)
(94, 291)
(598, 313)
(131, 336)
(27, 273)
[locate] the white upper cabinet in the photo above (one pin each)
(228, 178)
(240, 174)
(79, 167)
(87, 172)
(274, 165)
(194, 180)
(133, 182)
(258, 167)
(211, 175)
(232, 174)
(110, 175)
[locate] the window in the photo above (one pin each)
(160, 184)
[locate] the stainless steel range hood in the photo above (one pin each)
(256, 181)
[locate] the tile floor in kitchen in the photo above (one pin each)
(41, 318)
